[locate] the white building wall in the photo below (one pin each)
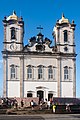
(67, 89)
(35, 62)
(69, 63)
(46, 84)
(13, 88)
(15, 61)
(46, 87)
(40, 60)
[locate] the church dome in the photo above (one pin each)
(12, 17)
(63, 19)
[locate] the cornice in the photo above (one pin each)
(22, 53)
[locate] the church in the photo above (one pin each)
(39, 69)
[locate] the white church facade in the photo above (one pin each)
(39, 69)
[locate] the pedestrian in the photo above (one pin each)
(46, 103)
(32, 104)
(68, 108)
(49, 104)
(41, 103)
(22, 103)
(7, 101)
(2, 101)
(54, 108)
(16, 104)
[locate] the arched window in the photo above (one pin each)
(54, 73)
(12, 71)
(70, 73)
(65, 36)
(40, 72)
(29, 72)
(50, 72)
(13, 33)
(66, 73)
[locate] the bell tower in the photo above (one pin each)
(13, 33)
(13, 43)
(63, 33)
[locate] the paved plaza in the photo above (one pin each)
(41, 117)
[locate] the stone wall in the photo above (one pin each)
(27, 101)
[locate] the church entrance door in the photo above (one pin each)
(40, 94)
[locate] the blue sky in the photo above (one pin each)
(44, 13)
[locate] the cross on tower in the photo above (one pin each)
(39, 28)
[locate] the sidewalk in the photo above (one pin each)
(27, 111)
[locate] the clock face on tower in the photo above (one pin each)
(66, 49)
(13, 46)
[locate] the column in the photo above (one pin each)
(58, 38)
(74, 77)
(73, 30)
(73, 41)
(21, 38)
(5, 77)
(21, 77)
(59, 78)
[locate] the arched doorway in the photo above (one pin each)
(40, 94)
